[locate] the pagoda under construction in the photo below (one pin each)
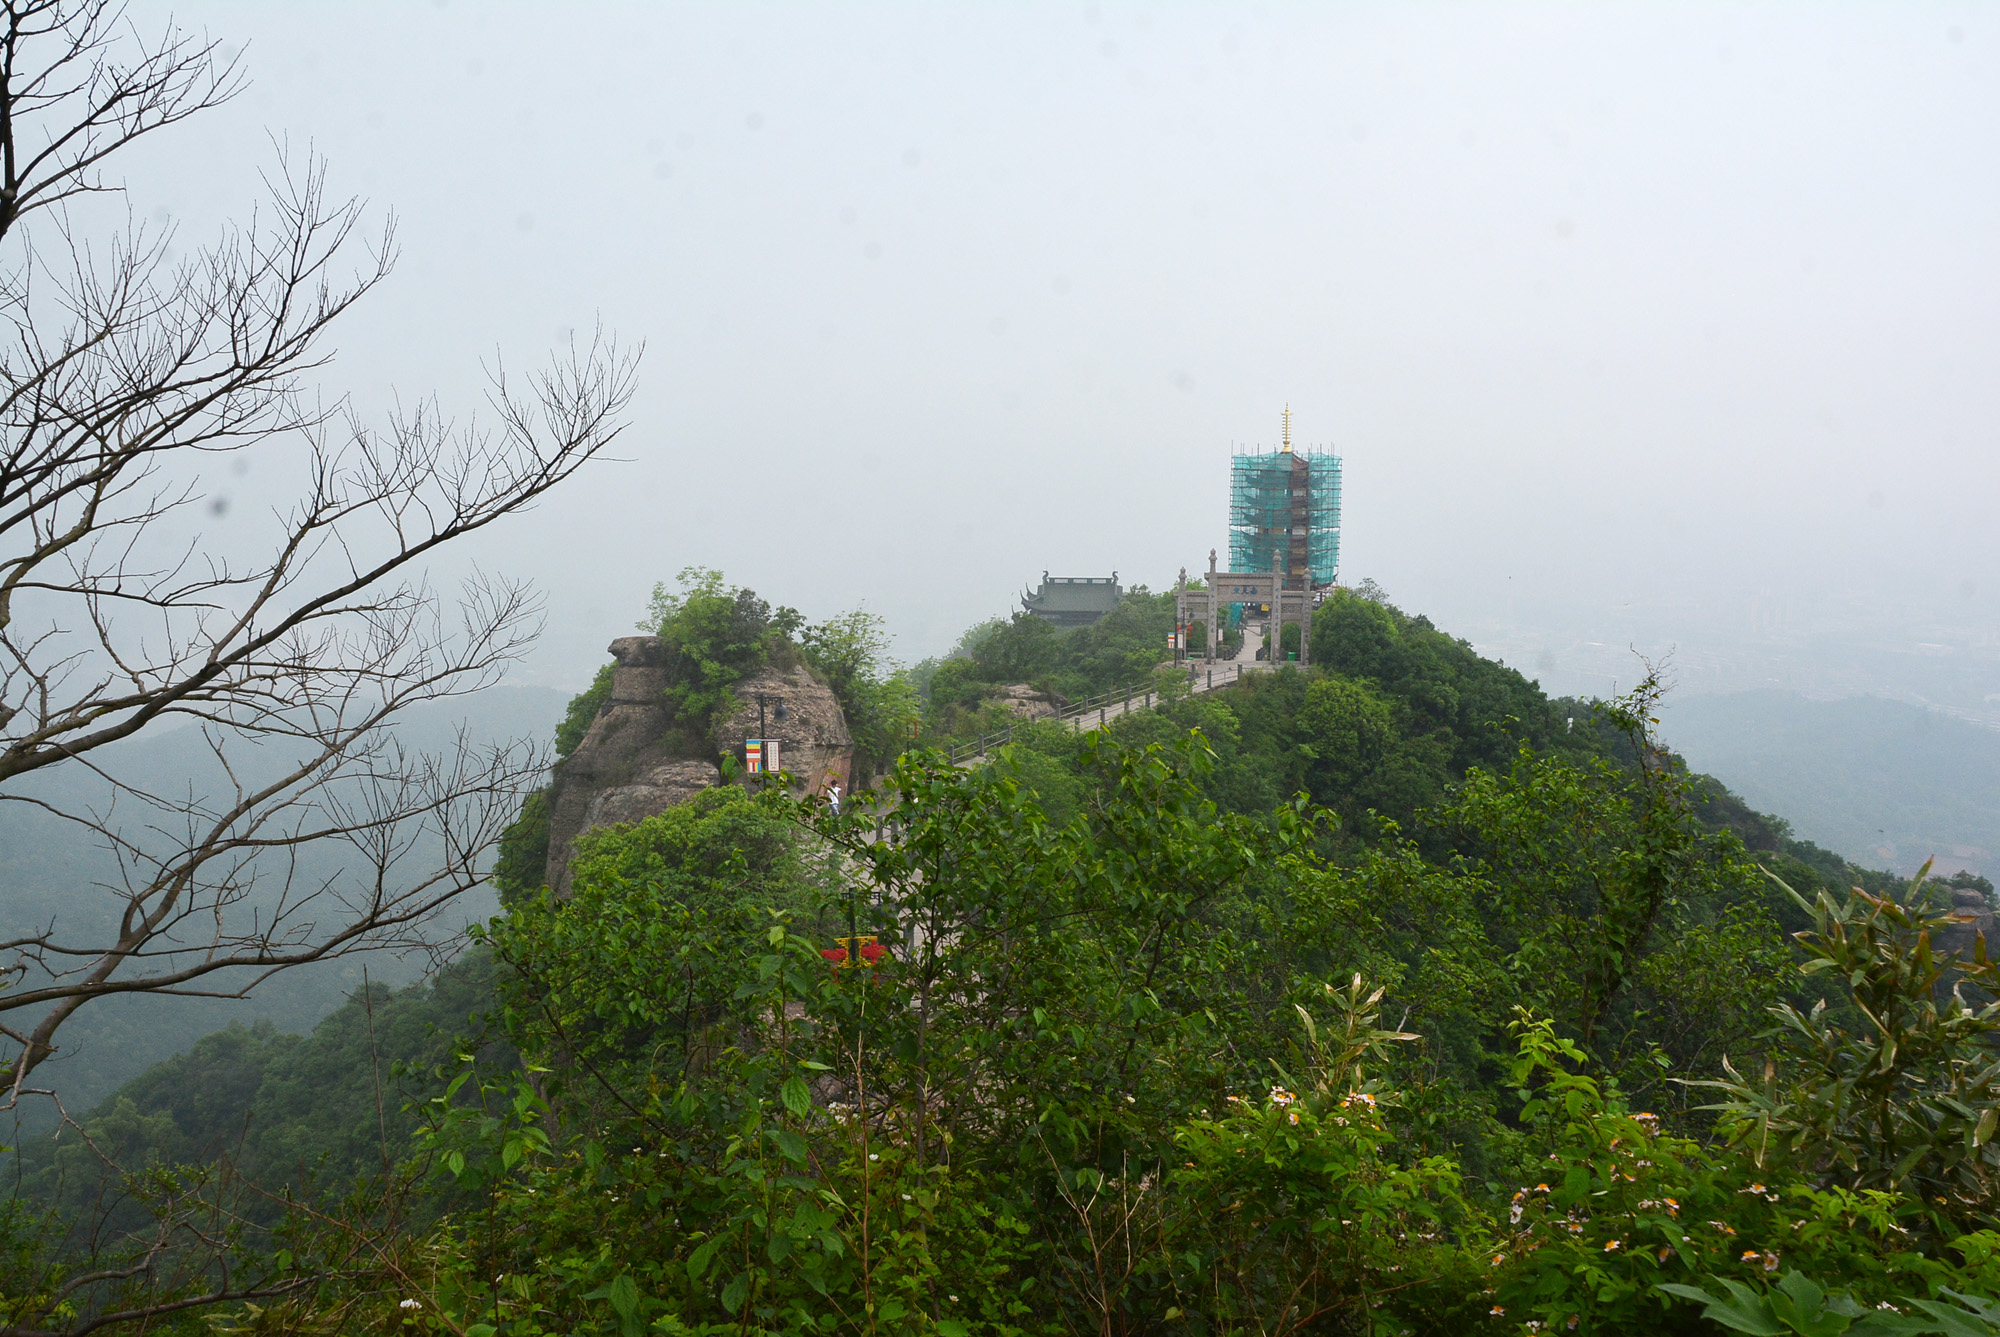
(1284, 547)
(1284, 513)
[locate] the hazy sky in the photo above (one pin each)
(1680, 320)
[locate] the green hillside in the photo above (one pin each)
(1882, 782)
(1381, 984)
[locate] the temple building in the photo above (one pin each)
(1284, 551)
(1073, 601)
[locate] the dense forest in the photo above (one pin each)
(1383, 996)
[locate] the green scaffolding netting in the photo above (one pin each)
(1285, 508)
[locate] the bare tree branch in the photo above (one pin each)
(302, 826)
(79, 94)
(311, 832)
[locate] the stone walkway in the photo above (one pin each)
(1097, 712)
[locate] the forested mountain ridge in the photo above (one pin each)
(1394, 714)
(1550, 901)
(1883, 782)
(1418, 708)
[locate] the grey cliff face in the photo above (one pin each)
(813, 742)
(633, 763)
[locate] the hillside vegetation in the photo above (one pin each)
(1387, 996)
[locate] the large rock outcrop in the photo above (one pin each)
(636, 762)
(631, 764)
(802, 714)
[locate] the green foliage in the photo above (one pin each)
(1362, 754)
(1109, 1065)
(1025, 648)
(713, 635)
(1596, 871)
(1908, 1100)
(848, 1149)
(1565, 882)
(643, 956)
(77, 1271)
(1799, 1305)
(954, 683)
(1478, 710)
(852, 653)
(719, 847)
(520, 867)
(305, 1115)
(30, 1279)
(583, 711)
(670, 994)
(1061, 1097)
(1294, 1211)
(1119, 649)
(1056, 787)
(1417, 929)
(1624, 1217)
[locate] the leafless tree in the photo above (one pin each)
(124, 373)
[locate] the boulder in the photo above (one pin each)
(650, 793)
(1971, 916)
(634, 761)
(1024, 702)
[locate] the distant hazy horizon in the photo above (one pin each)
(1650, 326)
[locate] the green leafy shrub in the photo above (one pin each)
(1623, 1217)
(712, 636)
(851, 652)
(1907, 1101)
(1292, 1213)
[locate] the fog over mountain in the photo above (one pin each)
(52, 873)
(1663, 326)
(1883, 783)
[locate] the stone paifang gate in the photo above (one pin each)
(1208, 603)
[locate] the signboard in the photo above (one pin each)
(753, 756)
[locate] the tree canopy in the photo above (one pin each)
(1129, 1030)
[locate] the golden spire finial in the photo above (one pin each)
(1288, 429)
